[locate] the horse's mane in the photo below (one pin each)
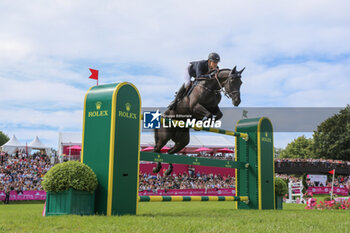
(224, 70)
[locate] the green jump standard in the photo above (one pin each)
(111, 147)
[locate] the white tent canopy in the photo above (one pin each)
(12, 145)
(37, 144)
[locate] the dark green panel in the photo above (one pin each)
(248, 181)
(97, 139)
(267, 164)
(242, 188)
(166, 198)
(126, 154)
(145, 198)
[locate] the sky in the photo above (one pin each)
(296, 54)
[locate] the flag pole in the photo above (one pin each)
(332, 184)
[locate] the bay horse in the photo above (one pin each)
(202, 103)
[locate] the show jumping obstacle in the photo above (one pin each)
(111, 147)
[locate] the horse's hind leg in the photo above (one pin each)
(181, 139)
(179, 145)
(160, 138)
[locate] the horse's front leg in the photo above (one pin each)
(200, 112)
(218, 114)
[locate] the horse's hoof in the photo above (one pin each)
(169, 170)
(167, 173)
(157, 169)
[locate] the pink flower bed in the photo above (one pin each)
(342, 204)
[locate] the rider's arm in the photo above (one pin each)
(205, 76)
(200, 72)
(210, 75)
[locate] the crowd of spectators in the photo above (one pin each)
(22, 172)
(339, 181)
(152, 182)
(296, 162)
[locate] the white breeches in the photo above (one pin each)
(187, 77)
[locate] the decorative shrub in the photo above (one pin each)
(70, 174)
(281, 187)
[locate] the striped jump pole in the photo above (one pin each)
(190, 198)
(111, 147)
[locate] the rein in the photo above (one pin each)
(222, 89)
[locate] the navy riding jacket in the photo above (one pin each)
(199, 69)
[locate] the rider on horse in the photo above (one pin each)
(197, 69)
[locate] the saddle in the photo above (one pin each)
(193, 84)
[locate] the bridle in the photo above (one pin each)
(228, 94)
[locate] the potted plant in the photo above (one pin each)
(70, 189)
(281, 189)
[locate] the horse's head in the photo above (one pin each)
(233, 85)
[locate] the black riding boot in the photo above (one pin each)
(157, 169)
(178, 96)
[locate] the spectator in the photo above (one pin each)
(7, 197)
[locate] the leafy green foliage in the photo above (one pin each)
(305, 185)
(301, 147)
(332, 137)
(281, 187)
(3, 138)
(70, 174)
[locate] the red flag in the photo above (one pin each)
(331, 172)
(94, 74)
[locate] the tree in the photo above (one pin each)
(277, 152)
(3, 138)
(301, 147)
(332, 137)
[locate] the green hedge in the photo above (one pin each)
(281, 187)
(70, 174)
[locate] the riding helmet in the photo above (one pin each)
(214, 57)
